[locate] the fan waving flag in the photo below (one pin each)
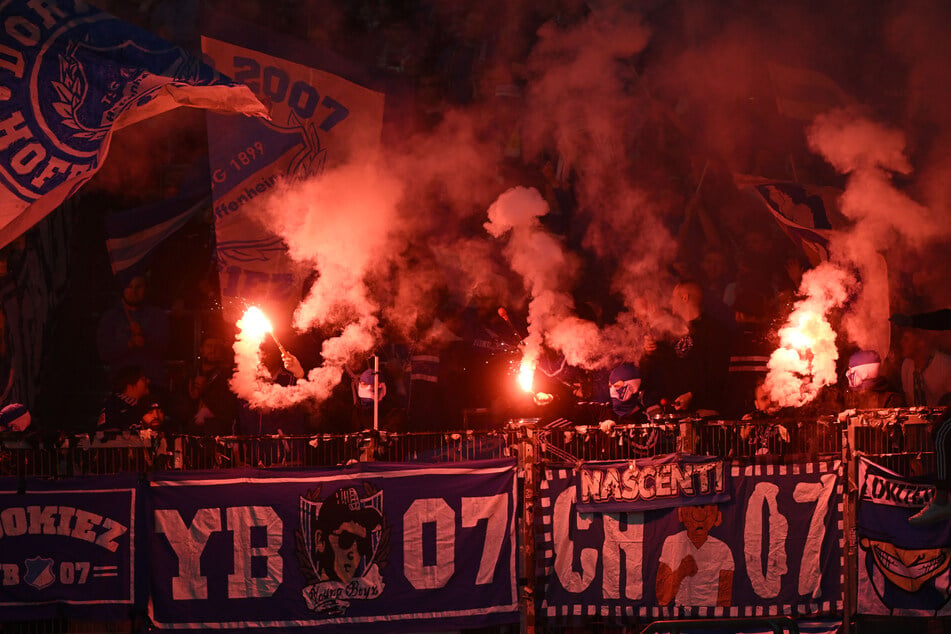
(70, 76)
(807, 214)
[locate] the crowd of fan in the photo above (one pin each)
(715, 370)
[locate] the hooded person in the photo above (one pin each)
(867, 388)
(624, 385)
(391, 417)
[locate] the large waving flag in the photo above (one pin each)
(802, 93)
(70, 76)
(133, 234)
(808, 215)
(324, 110)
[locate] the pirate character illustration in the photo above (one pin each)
(342, 543)
(907, 574)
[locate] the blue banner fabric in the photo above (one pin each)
(70, 76)
(646, 484)
(68, 547)
(342, 550)
(903, 570)
(133, 234)
(773, 549)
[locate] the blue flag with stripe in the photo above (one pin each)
(134, 233)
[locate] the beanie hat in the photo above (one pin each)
(15, 417)
(365, 388)
(624, 372)
(624, 397)
(863, 368)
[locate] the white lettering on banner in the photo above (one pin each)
(623, 562)
(73, 572)
(29, 157)
(672, 479)
(42, 520)
(428, 511)
(241, 585)
(11, 574)
(302, 98)
(631, 542)
(188, 544)
(72, 522)
(495, 510)
(820, 492)
(766, 584)
(564, 548)
(889, 492)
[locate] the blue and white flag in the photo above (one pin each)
(807, 214)
(70, 76)
(134, 233)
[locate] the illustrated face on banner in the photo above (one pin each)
(698, 520)
(339, 545)
(344, 548)
(908, 568)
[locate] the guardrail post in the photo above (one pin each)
(528, 470)
(850, 473)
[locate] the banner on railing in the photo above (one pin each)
(67, 547)
(645, 484)
(903, 570)
(411, 547)
(773, 549)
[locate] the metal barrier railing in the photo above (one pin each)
(777, 624)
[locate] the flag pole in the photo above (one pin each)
(376, 393)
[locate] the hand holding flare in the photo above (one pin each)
(255, 324)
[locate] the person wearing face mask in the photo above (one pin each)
(627, 399)
(867, 388)
(392, 417)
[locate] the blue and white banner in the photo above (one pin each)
(323, 112)
(133, 234)
(903, 570)
(645, 484)
(67, 547)
(71, 75)
(353, 549)
(773, 549)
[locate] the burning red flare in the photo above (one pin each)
(526, 375)
(254, 324)
(805, 361)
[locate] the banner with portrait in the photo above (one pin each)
(68, 547)
(774, 548)
(342, 550)
(903, 570)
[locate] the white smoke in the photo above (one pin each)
(341, 223)
(539, 257)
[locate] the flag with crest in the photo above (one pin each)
(70, 76)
